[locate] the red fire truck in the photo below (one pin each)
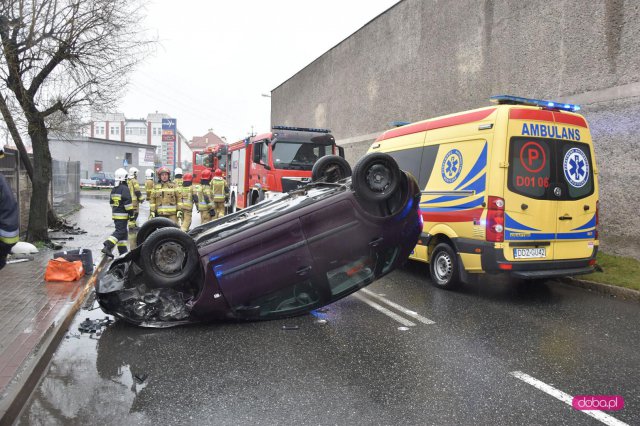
(278, 161)
(212, 158)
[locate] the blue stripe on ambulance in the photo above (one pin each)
(481, 163)
(589, 225)
(511, 223)
(469, 205)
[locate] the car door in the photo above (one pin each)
(269, 273)
(342, 246)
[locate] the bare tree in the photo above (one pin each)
(58, 56)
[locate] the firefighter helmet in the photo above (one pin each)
(133, 173)
(177, 172)
(120, 175)
(163, 169)
(188, 177)
(218, 172)
(206, 174)
(148, 174)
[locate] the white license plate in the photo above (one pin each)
(529, 253)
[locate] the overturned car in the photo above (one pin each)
(282, 257)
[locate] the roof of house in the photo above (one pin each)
(209, 139)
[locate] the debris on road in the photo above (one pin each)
(94, 326)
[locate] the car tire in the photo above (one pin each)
(153, 225)
(169, 257)
(330, 168)
(443, 266)
(376, 177)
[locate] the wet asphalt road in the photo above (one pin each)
(352, 364)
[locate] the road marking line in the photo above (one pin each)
(402, 309)
(385, 311)
(566, 398)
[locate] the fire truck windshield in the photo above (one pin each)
(204, 159)
(298, 155)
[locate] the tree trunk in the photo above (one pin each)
(37, 229)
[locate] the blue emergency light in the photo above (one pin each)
(399, 123)
(516, 100)
(301, 129)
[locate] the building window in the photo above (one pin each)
(143, 131)
(129, 131)
(156, 131)
(115, 131)
(128, 158)
(99, 130)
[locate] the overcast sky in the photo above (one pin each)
(216, 58)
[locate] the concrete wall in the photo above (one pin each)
(424, 58)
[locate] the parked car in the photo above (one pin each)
(282, 257)
(88, 184)
(104, 180)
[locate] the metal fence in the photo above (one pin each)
(64, 192)
(65, 186)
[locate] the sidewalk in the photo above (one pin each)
(34, 314)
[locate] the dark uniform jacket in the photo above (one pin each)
(121, 203)
(8, 214)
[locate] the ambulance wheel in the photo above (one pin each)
(153, 225)
(376, 176)
(330, 168)
(169, 257)
(444, 267)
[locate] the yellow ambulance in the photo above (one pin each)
(511, 188)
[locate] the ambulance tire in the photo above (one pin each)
(153, 225)
(169, 257)
(376, 177)
(330, 168)
(443, 266)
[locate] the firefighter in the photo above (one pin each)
(220, 190)
(9, 230)
(136, 195)
(185, 201)
(148, 183)
(121, 213)
(177, 177)
(164, 201)
(137, 199)
(203, 196)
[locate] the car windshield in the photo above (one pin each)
(298, 155)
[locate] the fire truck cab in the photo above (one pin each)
(274, 162)
(212, 158)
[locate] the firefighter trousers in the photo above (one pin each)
(186, 220)
(204, 216)
(218, 207)
(119, 236)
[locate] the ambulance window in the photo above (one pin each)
(530, 167)
(408, 160)
(577, 171)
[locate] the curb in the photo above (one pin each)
(32, 371)
(604, 289)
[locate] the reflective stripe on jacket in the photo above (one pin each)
(218, 185)
(120, 201)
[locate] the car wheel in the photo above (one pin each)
(444, 267)
(376, 176)
(169, 257)
(153, 225)
(330, 168)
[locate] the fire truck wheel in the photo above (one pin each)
(169, 257)
(330, 168)
(153, 225)
(376, 176)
